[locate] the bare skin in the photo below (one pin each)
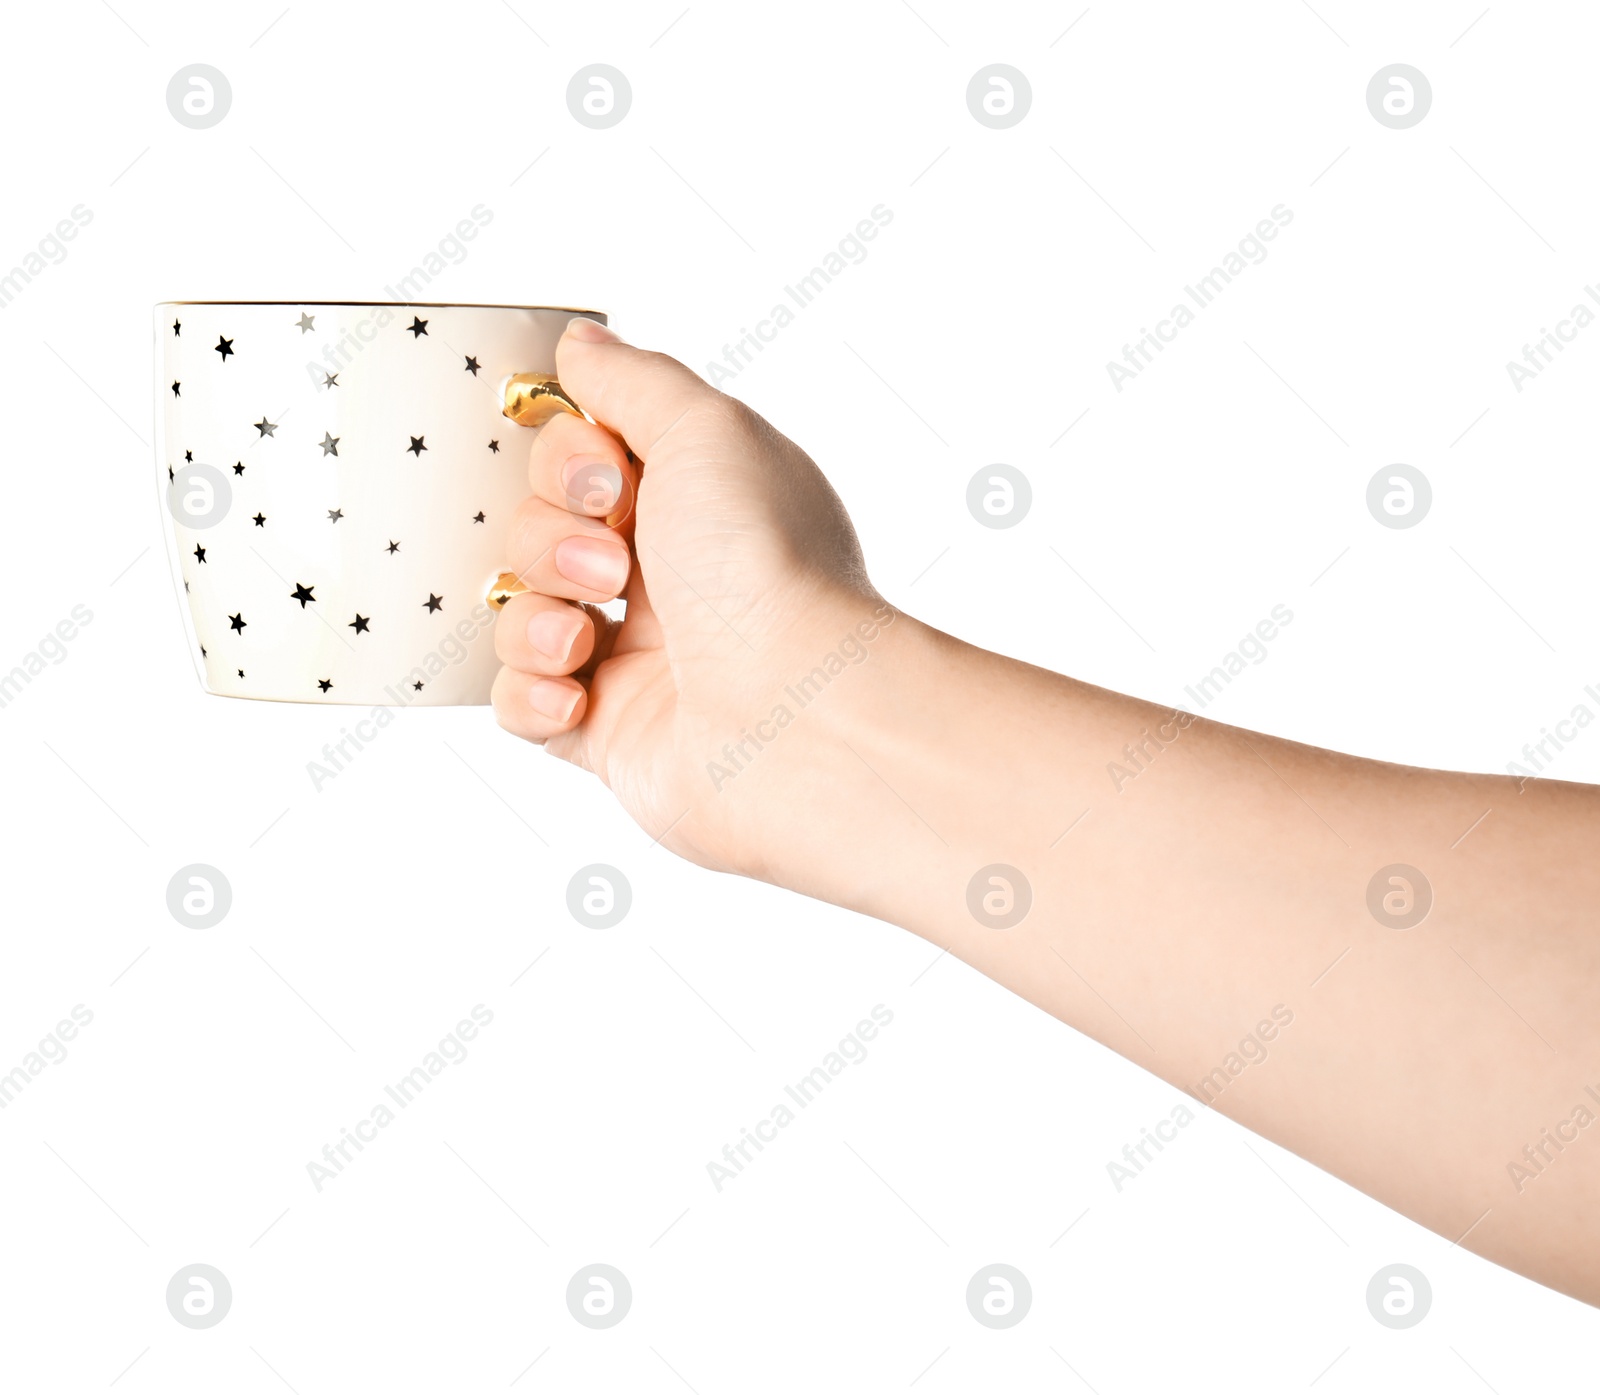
(765, 712)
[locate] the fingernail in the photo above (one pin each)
(593, 486)
(552, 698)
(552, 632)
(591, 331)
(600, 566)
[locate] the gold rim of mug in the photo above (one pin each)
(402, 305)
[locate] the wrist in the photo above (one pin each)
(845, 803)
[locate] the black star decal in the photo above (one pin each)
(188, 456)
(478, 517)
(203, 652)
(177, 329)
(265, 427)
(433, 602)
(261, 520)
(324, 684)
(417, 686)
(495, 447)
(238, 468)
(330, 443)
(360, 624)
(417, 327)
(237, 622)
(200, 554)
(334, 515)
(186, 587)
(330, 380)
(302, 593)
(170, 476)
(472, 365)
(306, 322)
(175, 386)
(416, 447)
(224, 347)
(241, 673)
(394, 547)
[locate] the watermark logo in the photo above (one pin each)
(1250, 250)
(851, 651)
(851, 1050)
(1538, 754)
(199, 96)
(599, 1296)
(850, 250)
(1545, 1149)
(451, 651)
(1399, 896)
(199, 896)
(998, 96)
(999, 496)
(599, 896)
(1252, 1050)
(199, 1295)
(51, 1051)
(1399, 496)
(450, 250)
(51, 250)
(1539, 355)
(1399, 96)
(52, 648)
(1136, 1155)
(1399, 1295)
(449, 1050)
(598, 96)
(199, 496)
(999, 1295)
(1138, 755)
(1252, 648)
(999, 896)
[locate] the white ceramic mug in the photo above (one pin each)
(337, 481)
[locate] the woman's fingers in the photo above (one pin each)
(540, 634)
(567, 540)
(582, 468)
(640, 395)
(559, 554)
(537, 706)
(562, 546)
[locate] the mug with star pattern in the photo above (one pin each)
(338, 479)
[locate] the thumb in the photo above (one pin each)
(639, 395)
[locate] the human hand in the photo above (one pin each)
(968, 797)
(738, 564)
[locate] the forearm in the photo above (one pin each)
(1204, 900)
(1195, 887)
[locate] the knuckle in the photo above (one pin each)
(719, 410)
(504, 644)
(530, 535)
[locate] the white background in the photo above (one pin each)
(1171, 517)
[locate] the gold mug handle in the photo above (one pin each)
(531, 399)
